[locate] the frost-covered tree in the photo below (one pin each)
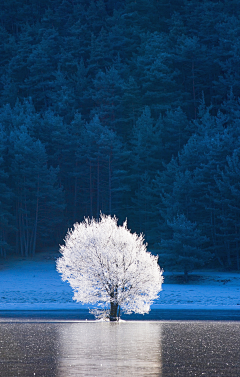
(108, 265)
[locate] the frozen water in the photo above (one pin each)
(161, 349)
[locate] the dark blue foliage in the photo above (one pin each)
(126, 107)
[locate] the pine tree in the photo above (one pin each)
(175, 132)
(102, 161)
(107, 95)
(42, 64)
(146, 143)
(81, 82)
(146, 156)
(144, 211)
(123, 37)
(142, 15)
(192, 60)
(186, 248)
(61, 96)
(156, 73)
(188, 183)
(6, 198)
(96, 15)
(8, 49)
(229, 216)
(131, 106)
(101, 56)
(17, 70)
(18, 115)
(38, 200)
(227, 57)
(163, 183)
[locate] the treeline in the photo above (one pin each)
(122, 107)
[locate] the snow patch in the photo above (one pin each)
(36, 285)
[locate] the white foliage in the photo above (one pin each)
(104, 263)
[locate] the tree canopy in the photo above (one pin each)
(106, 264)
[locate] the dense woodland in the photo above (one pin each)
(124, 107)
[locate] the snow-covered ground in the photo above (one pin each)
(36, 285)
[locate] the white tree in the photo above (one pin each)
(107, 265)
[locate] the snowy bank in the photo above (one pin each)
(36, 285)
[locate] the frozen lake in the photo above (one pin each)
(141, 349)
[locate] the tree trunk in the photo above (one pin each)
(34, 232)
(113, 312)
(91, 198)
(238, 264)
(75, 198)
(194, 96)
(98, 190)
(229, 261)
(109, 185)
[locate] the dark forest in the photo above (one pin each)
(129, 108)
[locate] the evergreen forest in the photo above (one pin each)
(125, 107)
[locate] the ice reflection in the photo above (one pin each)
(110, 349)
(28, 349)
(209, 349)
(128, 349)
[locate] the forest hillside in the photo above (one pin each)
(122, 107)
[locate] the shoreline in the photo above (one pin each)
(35, 285)
(64, 315)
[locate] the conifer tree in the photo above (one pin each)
(42, 64)
(39, 201)
(175, 131)
(186, 248)
(107, 95)
(229, 214)
(6, 198)
(156, 73)
(102, 160)
(146, 156)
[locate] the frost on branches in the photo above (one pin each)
(108, 265)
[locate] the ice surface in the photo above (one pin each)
(136, 349)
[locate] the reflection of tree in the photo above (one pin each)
(104, 349)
